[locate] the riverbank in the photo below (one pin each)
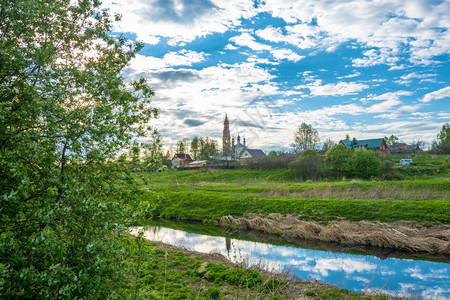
(412, 216)
(399, 236)
(162, 270)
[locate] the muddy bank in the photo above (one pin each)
(399, 236)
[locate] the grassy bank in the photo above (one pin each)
(158, 271)
(211, 195)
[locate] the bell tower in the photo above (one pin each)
(226, 138)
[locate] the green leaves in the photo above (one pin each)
(65, 113)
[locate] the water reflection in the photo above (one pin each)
(401, 277)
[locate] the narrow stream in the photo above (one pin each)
(414, 279)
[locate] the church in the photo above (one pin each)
(233, 149)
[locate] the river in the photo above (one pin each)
(411, 278)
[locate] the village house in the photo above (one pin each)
(397, 147)
(252, 154)
(181, 160)
(377, 145)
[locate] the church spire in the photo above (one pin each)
(226, 147)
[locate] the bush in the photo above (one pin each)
(308, 166)
(336, 157)
(272, 161)
(363, 164)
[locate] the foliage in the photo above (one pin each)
(363, 164)
(209, 148)
(307, 166)
(64, 114)
(442, 146)
(444, 134)
(272, 161)
(391, 140)
(195, 144)
(305, 137)
(337, 157)
(182, 146)
(327, 144)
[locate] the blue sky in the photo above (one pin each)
(363, 68)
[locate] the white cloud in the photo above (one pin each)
(339, 89)
(383, 106)
(247, 40)
(271, 34)
(390, 95)
(348, 265)
(181, 21)
(288, 54)
(356, 74)
(141, 63)
(230, 47)
(375, 57)
(183, 58)
(437, 95)
(392, 27)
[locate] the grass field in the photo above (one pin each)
(210, 195)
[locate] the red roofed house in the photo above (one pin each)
(377, 145)
(181, 160)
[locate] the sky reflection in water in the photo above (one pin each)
(402, 277)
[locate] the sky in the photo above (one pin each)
(359, 67)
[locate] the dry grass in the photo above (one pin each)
(375, 192)
(435, 239)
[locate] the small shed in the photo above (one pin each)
(197, 164)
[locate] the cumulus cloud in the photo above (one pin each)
(415, 28)
(246, 40)
(142, 63)
(339, 89)
(390, 95)
(437, 95)
(288, 54)
(179, 20)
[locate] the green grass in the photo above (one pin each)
(155, 271)
(210, 195)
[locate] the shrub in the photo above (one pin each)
(363, 164)
(308, 166)
(337, 157)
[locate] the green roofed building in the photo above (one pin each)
(377, 145)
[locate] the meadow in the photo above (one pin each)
(209, 195)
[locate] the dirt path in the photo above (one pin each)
(400, 236)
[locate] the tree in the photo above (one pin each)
(327, 144)
(307, 165)
(65, 113)
(337, 158)
(181, 146)
(363, 164)
(305, 137)
(391, 140)
(209, 148)
(443, 144)
(444, 134)
(195, 148)
(347, 137)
